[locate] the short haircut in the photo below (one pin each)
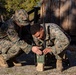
(35, 28)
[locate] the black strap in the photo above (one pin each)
(49, 36)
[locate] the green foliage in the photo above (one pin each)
(12, 5)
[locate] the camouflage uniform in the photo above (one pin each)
(56, 40)
(10, 41)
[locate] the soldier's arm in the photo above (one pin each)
(9, 30)
(37, 46)
(61, 41)
(13, 36)
(24, 46)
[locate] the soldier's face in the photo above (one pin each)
(40, 34)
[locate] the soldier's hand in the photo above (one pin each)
(46, 50)
(37, 50)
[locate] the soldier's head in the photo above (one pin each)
(37, 31)
(21, 17)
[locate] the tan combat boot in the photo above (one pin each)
(3, 63)
(59, 65)
(16, 63)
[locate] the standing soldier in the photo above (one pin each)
(56, 41)
(11, 40)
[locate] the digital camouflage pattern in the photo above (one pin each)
(56, 40)
(10, 41)
(21, 17)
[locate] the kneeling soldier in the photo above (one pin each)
(11, 41)
(56, 41)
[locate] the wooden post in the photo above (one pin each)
(40, 62)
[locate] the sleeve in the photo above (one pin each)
(12, 34)
(24, 46)
(61, 41)
(9, 30)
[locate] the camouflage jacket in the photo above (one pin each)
(8, 31)
(56, 40)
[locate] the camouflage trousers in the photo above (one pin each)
(61, 55)
(9, 49)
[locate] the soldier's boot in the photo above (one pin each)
(12, 63)
(3, 63)
(17, 63)
(59, 65)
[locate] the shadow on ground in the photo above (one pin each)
(30, 59)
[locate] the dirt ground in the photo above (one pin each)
(31, 70)
(29, 67)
